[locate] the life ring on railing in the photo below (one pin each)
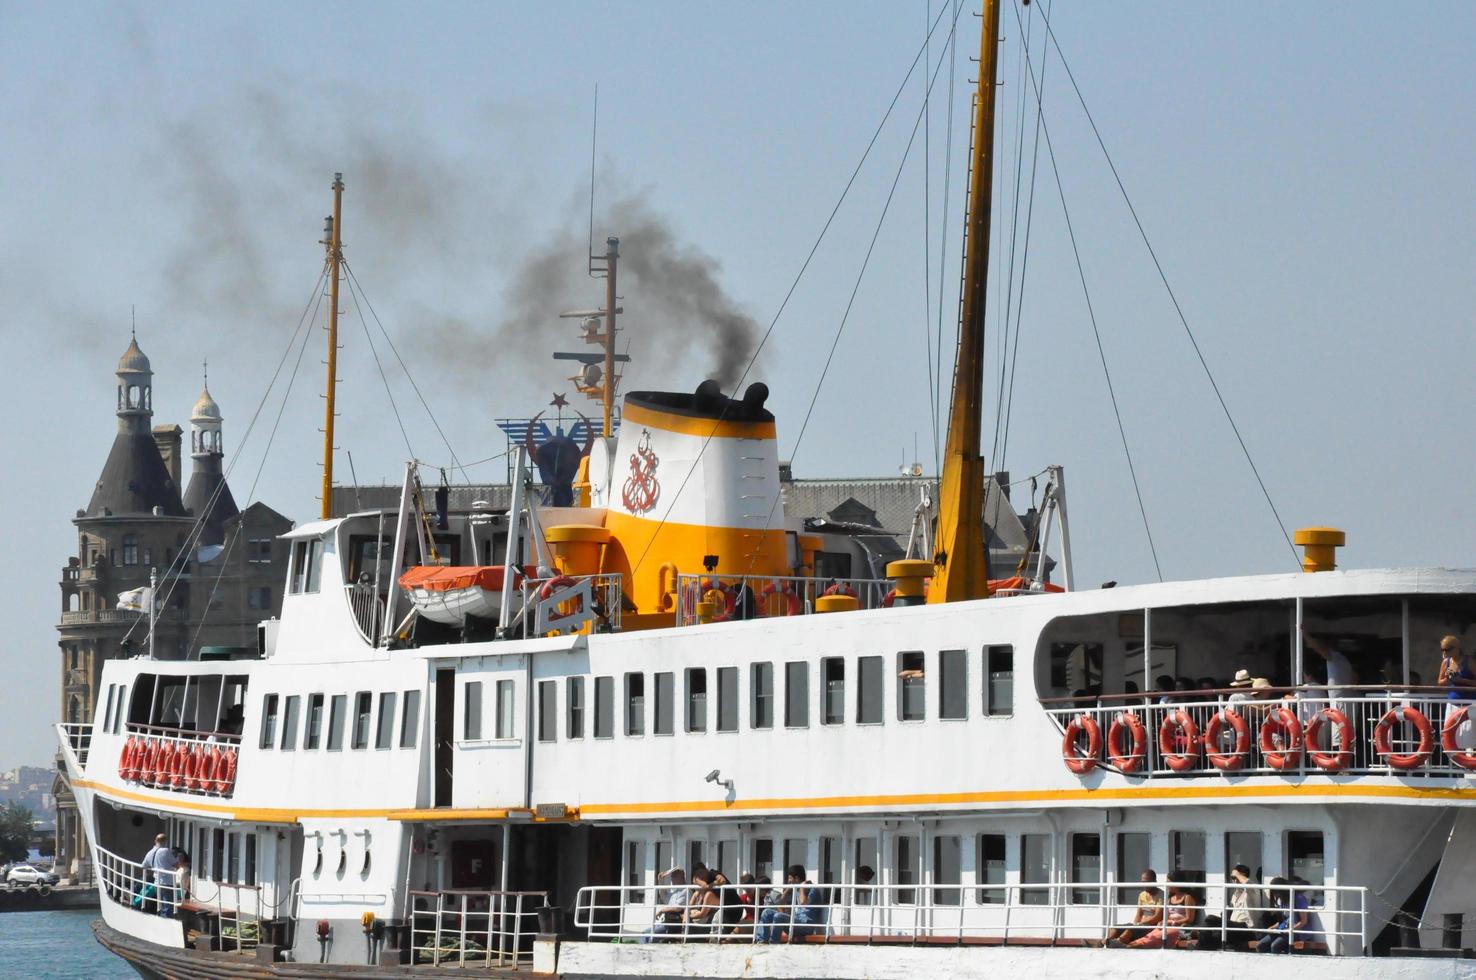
(1131, 757)
(192, 761)
(1385, 727)
(159, 768)
(1289, 754)
(553, 584)
(1465, 758)
(840, 588)
(144, 760)
(1077, 761)
(177, 765)
(125, 758)
(1234, 759)
(210, 770)
(1178, 741)
(225, 775)
(1330, 761)
(722, 596)
(889, 598)
(775, 589)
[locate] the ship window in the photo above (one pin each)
(1035, 868)
(947, 870)
(314, 735)
(696, 699)
(796, 694)
(727, 707)
(830, 856)
(665, 703)
(1244, 847)
(953, 684)
(911, 686)
(548, 711)
(696, 851)
(384, 736)
(999, 680)
(118, 714)
(268, 721)
(1075, 667)
(1186, 855)
(471, 713)
(869, 691)
(763, 858)
(217, 855)
(307, 560)
(248, 878)
(410, 720)
(289, 723)
(1086, 868)
(574, 693)
(337, 710)
(832, 691)
(989, 868)
(506, 709)
(727, 854)
(635, 871)
(865, 871)
(1304, 855)
(761, 679)
(604, 707)
(231, 871)
(363, 717)
(635, 704)
(661, 851)
(906, 869)
(1132, 861)
(108, 716)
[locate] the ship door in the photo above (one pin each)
(445, 733)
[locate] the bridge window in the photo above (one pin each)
(911, 686)
(307, 559)
(548, 711)
(604, 707)
(574, 696)
(108, 716)
(796, 694)
(1035, 868)
(363, 716)
(761, 682)
(833, 691)
(410, 720)
(665, 703)
(1086, 868)
(269, 721)
(385, 735)
(989, 868)
(953, 684)
(118, 714)
(289, 723)
(727, 706)
(471, 713)
(696, 699)
(947, 869)
(507, 712)
(999, 680)
(635, 704)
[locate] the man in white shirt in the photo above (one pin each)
(1340, 674)
(158, 867)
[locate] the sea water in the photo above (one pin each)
(56, 945)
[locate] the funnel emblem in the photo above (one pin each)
(641, 488)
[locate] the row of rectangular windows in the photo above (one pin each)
(363, 722)
(996, 690)
(1304, 859)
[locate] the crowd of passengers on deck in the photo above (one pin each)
(710, 907)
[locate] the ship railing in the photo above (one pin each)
(153, 743)
(605, 598)
(129, 884)
(1286, 731)
(976, 913)
(77, 737)
(460, 928)
(367, 607)
(766, 596)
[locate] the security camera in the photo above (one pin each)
(712, 777)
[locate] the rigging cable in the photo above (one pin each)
(403, 367)
(937, 371)
(369, 338)
(1092, 316)
(824, 230)
(1169, 289)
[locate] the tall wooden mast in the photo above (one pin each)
(960, 567)
(333, 241)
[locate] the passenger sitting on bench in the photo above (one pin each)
(1182, 916)
(1149, 914)
(1279, 937)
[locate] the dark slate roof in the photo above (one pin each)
(197, 500)
(135, 480)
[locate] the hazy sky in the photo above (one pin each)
(1304, 173)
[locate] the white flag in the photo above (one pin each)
(136, 599)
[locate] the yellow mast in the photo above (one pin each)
(960, 569)
(612, 257)
(334, 243)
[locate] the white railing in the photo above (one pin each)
(367, 609)
(972, 914)
(196, 763)
(763, 596)
(1287, 731)
(474, 928)
(130, 885)
(77, 736)
(606, 598)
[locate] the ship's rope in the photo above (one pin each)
(379, 366)
(799, 276)
(1092, 316)
(1163, 276)
(935, 343)
(172, 574)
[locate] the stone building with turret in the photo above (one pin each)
(218, 571)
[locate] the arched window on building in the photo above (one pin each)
(130, 549)
(74, 602)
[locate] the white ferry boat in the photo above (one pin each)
(490, 767)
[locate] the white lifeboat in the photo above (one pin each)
(449, 594)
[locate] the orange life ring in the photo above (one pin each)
(1178, 741)
(1235, 759)
(225, 776)
(1404, 760)
(1289, 755)
(557, 582)
(889, 598)
(210, 772)
(840, 588)
(177, 765)
(1127, 758)
(192, 767)
(145, 760)
(773, 589)
(159, 776)
(1465, 758)
(1077, 761)
(722, 595)
(1330, 761)
(125, 758)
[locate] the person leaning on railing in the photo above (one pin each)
(1457, 675)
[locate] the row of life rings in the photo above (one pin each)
(1283, 740)
(166, 764)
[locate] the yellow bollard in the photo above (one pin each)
(1319, 547)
